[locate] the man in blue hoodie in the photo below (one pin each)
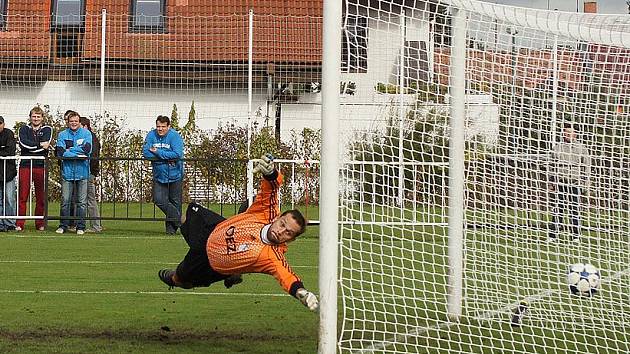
(165, 148)
(74, 145)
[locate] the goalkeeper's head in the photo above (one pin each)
(287, 227)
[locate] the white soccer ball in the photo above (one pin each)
(583, 279)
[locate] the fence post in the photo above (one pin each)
(103, 28)
(250, 51)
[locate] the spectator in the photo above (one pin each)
(165, 148)
(92, 203)
(7, 177)
(572, 166)
(73, 144)
(73, 205)
(34, 142)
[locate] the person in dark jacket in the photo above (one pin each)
(165, 148)
(34, 140)
(92, 202)
(8, 172)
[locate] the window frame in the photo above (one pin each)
(4, 4)
(53, 16)
(158, 28)
(354, 44)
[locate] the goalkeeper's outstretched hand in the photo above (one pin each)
(308, 299)
(264, 165)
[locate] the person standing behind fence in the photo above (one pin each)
(73, 207)
(34, 140)
(8, 172)
(572, 164)
(92, 203)
(165, 148)
(72, 143)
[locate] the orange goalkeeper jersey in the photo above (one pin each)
(235, 246)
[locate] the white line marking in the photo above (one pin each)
(379, 347)
(82, 292)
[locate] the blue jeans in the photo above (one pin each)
(168, 197)
(8, 198)
(80, 188)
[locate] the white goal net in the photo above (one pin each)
(546, 178)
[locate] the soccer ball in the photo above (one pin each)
(583, 279)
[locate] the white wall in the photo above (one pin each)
(482, 115)
(139, 107)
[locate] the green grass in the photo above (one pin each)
(100, 294)
(395, 285)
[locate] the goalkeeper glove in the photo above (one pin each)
(308, 299)
(265, 165)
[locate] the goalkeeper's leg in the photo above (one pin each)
(194, 270)
(197, 224)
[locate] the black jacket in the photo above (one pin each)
(94, 156)
(29, 143)
(7, 148)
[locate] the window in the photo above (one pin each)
(416, 63)
(354, 45)
(148, 15)
(67, 13)
(3, 14)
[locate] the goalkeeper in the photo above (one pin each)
(252, 242)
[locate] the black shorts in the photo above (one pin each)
(195, 269)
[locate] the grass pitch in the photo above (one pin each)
(100, 293)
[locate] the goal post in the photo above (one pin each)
(482, 151)
(456, 166)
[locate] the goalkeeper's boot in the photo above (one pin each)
(232, 280)
(166, 276)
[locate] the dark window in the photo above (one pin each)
(3, 14)
(354, 45)
(68, 44)
(68, 13)
(148, 15)
(416, 63)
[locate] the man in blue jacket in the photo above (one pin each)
(165, 148)
(75, 145)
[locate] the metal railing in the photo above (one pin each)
(124, 187)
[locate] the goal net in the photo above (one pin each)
(546, 175)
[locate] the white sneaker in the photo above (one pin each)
(17, 228)
(80, 232)
(60, 230)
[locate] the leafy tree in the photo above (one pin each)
(175, 118)
(424, 139)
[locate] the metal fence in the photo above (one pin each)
(124, 187)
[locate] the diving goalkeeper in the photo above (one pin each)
(251, 242)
